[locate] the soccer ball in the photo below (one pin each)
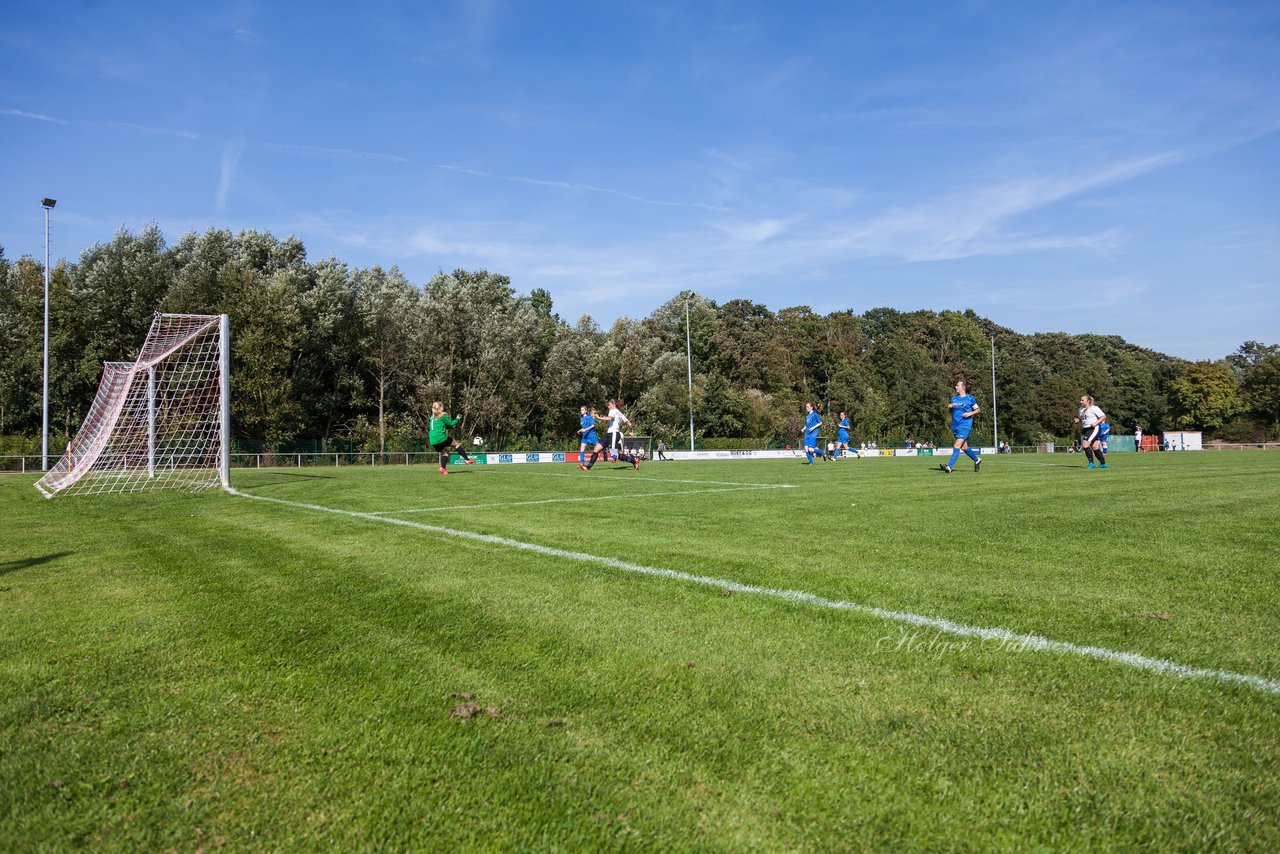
(477, 441)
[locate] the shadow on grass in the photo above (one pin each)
(282, 477)
(15, 565)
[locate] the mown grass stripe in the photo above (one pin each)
(615, 497)
(1007, 638)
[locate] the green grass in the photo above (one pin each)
(192, 671)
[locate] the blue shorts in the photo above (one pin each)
(962, 432)
(589, 438)
(811, 441)
(843, 437)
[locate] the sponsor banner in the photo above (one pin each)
(457, 460)
(924, 452)
(532, 457)
(904, 452)
(735, 455)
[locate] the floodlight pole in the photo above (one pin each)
(688, 349)
(995, 431)
(47, 204)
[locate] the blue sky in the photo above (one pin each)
(1087, 167)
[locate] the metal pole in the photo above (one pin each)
(151, 422)
(688, 348)
(224, 392)
(44, 408)
(995, 431)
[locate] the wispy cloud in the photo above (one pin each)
(284, 148)
(335, 153)
(129, 126)
(180, 134)
(755, 231)
(230, 162)
(975, 221)
(1086, 294)
(581, 188)
(34, 116)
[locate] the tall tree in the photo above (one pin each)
(331, 387)
(1205, 396)
(116, 288)
(565, 383)
(266, 352)
(479, 343)
(624, 361)
(21, 344)
(391, 315)
(1261, 388)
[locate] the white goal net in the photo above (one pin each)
(161, 422)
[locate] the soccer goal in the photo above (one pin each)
(640, 445)
(161, 422)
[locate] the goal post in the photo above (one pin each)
(224, 400)
(160, 422)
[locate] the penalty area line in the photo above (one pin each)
(1007, 638)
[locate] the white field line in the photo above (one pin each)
(1005, 638)
(572, 500)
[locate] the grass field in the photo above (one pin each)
(616, 661)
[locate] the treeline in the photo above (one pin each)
(325, 351)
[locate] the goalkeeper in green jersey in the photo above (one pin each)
(440, 439)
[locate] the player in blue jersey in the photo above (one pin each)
(1095, 429)
(587, 438)
(842, 436)
(963, 407)
(812, 421)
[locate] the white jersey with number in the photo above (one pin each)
(1090, 415)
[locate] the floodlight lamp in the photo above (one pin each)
(48, 203)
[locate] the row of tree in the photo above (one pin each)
(324, 351)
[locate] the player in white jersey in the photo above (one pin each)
(1094, 431)
(617, 445)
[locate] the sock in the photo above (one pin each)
(809, 455)
(1102, 458)
(444, 460)
(955, 455)
(970, 454)
(1088, 452)
(594, 456)
(462, 453)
